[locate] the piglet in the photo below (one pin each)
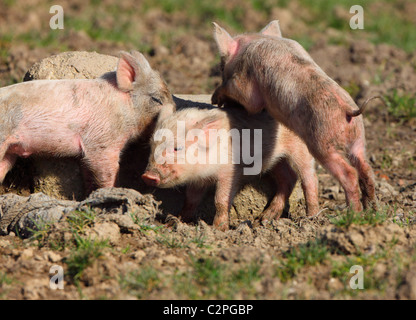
(201, 146)
(90, 119)
(266, 71)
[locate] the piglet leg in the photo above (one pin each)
(366, 179)
(347, 176)
(6, 164)
(104, 165)
(224, 195)
(285, 180)
(193, 197)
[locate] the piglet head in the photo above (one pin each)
(240, 77)
(145, 87)
(181, 147)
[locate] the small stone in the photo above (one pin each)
(53, 257)
(335, 284)
(138, 255)
(104, 231)
(26, 254)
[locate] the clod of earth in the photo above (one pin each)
(23, 215)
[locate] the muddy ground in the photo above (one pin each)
(163, 258)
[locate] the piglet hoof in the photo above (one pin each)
(222, 227)
(188, 219)
(171, 221)
(221, 224)
(266, 222)
(257, 223)
(268, 216)
(216, 99)
(372, 205)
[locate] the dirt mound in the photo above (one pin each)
(367, 239)
(72, 65)
(26, 215)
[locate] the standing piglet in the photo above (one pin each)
(222, 146)
(267, 71)
(92, 119)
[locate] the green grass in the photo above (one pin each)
(389, 27)
(170, 241)
(209, 275)
(5, 280)
(310, 254)
(126, 249)
(39, 234)
(142, 282)
(386, 160)
(369, 262)
(43, 233)
(368, 217)
(205, 278)
(79, 220)
(200, 240)
(84, 254)
(406, 220)
(382, 24)
(211, 279)
(401, 106)
(205, 11)
(143, 223)
(353, 89)
(84, 251)
(5, 43)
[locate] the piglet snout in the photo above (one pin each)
(151, 179)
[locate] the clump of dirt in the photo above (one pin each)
(367, 239)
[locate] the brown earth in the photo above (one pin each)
(158, 258)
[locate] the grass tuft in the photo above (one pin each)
(309, 254)
(368, 217)
(401, 106)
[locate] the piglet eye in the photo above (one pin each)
(178, 148)
(157, 100)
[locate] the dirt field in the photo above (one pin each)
(291, 258)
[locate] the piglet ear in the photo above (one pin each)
(226, 44)
(166, 111)
(272, 29)
(127, 71)
(141, 61)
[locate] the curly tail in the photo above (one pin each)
(355, 113)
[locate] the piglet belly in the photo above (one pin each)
(60, 143)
